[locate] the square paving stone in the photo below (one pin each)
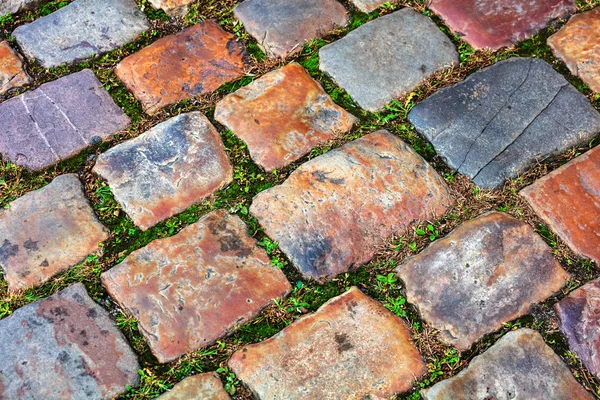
(332, 212)
(12, 72)
(166, 170)
(189, 290)
(195, 61)
(80, 30)
(64, 347)
(14, 6)
(176, 8)
(47, 231)
(504, 118)
(488, 271)
(58, 120)
(206, 386)
(351, 348)
(282, 27)
(492, 24)
(282, 116)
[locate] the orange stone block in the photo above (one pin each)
(12, 74)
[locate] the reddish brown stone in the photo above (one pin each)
(352, 348)
(189, 290)
(177, 8)
(12, 73)
(282, 116)
(195, 61)
(206, 386)
(568, 200)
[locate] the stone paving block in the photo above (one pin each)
(166, 170)
(12, 72)
(15, 6)
(189, 63)
(502, 119)
(282, 116)
(332, 212)
(80, 30)
(206, 386)
(568, 200)
(58, 120)
(492, 24)
(351, 348)
(519, 366)
(64, 347)
(176, 8)
(197, 286)
(488, 271)
(47, 231)
(282, 27)
(368, 6)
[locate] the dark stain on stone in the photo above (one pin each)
(8, 250)
(44, 264)
(312, 256)
(343, 343)
(92, 313)
(322, 177)
(30, 245)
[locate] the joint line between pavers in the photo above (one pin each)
(37, 127)
(64, 115)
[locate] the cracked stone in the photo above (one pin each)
(488, 271)
(12, 72)
(282, 116)
(195, 61)
(332, 212)
(80, 30)
(166, 170)
(64, 347)
(519, 366)
(494, 24)
(388, 57)
(175, 8)
(189, 290)
(46, 232)
(350, 348)
(568, 200)
(15, 6)
(502, 119)
(58, 120)
(282, 27)
(368, 6)
(206, 386)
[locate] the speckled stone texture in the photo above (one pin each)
(282, 116)
(195, 287)
(502, 119)
(487, 272)
(206, 386)
(352, 348)
(331, 212)
(519, 366)
(47, 231)
(175, 8)
(80, 30)
(64, 347)
(15, 6)
(166, 170)
(58, 120)
(568, 200)
(387, 57)
(493, 24)
(282, 27)
(368, 6)
(189, 63)
(12, 72)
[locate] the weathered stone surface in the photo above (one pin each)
(282, 116)
(80, 30)
(177, 8)
(206, 386)
(519, 366)
(189, 290)
(387, 57)
(46, 232)
(58, 120)
(14, 6)
(367, 6)
(12, 73)
(351, 348)
(167, 169)
(500, 120)
(282, 27)
(493, 24)
(64, 347)
(568, 200)
(487, 272)
(195, 61)
(331, 212)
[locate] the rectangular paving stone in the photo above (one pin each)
(387, 58)
(189, 290)
(166, 170)
(46, 232)
(332, 212)
(195, 61)
(206, 386)
(519, 366)
(64, 347)
(58, 120)
(502, 119)
(176, 8)
(15, 6)
(12, 72)
(282, 116)
(487, 272)
(80, 30)
(351, 348)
